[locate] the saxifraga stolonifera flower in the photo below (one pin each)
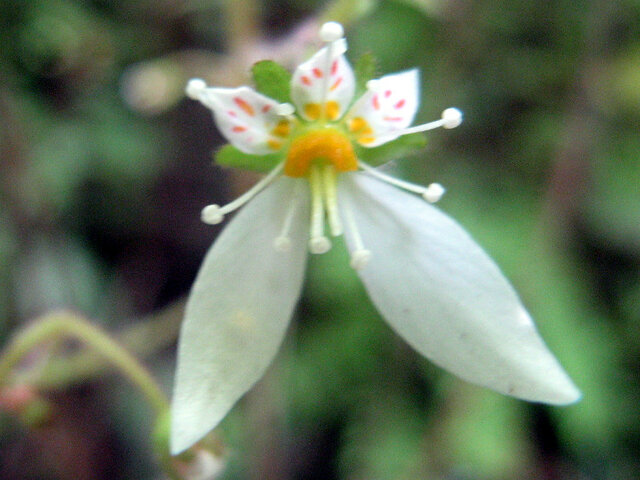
(430, 281)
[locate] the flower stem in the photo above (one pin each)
(66, 324)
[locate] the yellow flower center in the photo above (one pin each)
(324, 146)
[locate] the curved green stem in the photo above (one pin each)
(67, 324)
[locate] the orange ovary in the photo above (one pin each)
(323, 146)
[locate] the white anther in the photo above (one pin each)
(373, 85)
(285, 109)
(331, 31)
(212, 214)
(360, 259)
(433, 193)
(319, 245)
(195, 87)
(282, 244)
(452, 117)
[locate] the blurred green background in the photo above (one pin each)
(104, 167)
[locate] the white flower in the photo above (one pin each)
(431, 282)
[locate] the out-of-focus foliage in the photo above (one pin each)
(104, 168)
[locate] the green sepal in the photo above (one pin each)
(230, 156)
(273, 80)
(393, 150)
(365, 69)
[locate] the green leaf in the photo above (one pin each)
(230, 156)
(365, 70)
(272, 80)
(398, 148)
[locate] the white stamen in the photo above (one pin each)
(452, 117)
(331, 31)
(433, 193)
(331, 199)
(211, 214)
(285, 109)
(373, 85)
(195, 87)
(214, 214)
(410, 187)
(318, 243)
(360, 259)
(360, 256)
(282, 242)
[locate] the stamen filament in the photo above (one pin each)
(410, 187)
(451, 118)
(431, 194)
(318, 243)
(331, 199)
(282, 242)
(214, 214)
(360, 256)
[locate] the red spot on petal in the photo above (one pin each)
(376, 102)
(231, 113)
(393, 119)
(387, 94)
(244, 106)
(266, 108)
(334, 67)
(239, 129)
(400, 104)
(317, 73)
(306, 80)
(335, 84)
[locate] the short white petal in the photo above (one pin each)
(319, 80)
(442, 293)
(388, 106)
(245, 117)
(238, 312)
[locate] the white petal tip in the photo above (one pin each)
(331, 31)
(319, 245)
(282, 244)
(360, 259)
(285, 109)
(567, 396)
(212, 215)
(433, 193)
(452, 117)
(195, 87)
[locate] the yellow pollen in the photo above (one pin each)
(312, 111)
(326, 146)
(282, 129)
(274, 144)
(358, 124)
(332, 109)
(366, 140)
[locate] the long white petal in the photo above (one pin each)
(442, 293)
(238, 311)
